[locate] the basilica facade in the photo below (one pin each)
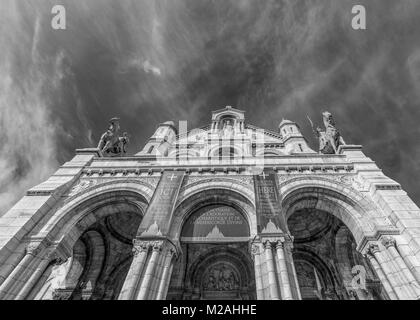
(226, 211)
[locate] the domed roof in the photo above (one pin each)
(169, 123)
(284, 122)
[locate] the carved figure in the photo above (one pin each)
(330, 138)
(111, 142)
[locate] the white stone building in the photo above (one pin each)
(227, 211)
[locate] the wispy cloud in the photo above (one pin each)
(149, 61)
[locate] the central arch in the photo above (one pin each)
(213, 227)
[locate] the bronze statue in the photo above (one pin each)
(330, 138)
(111, 142)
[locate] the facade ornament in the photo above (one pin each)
(267, 245)
(82, 185)
(139, 246)
(172, 252)
(61, 294)
(157, 245)
(373, 248)
(279, 244)
(35, 247)
(221, 278)
(329, 138)
(255, 249)
(388, 242)
(111, 141)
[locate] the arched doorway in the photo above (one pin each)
(101, 254)
(215, 261)
(326, 259)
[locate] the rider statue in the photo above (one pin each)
(330, 138)
(111, 141)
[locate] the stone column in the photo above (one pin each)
(166, 275)
(381, 276)
(389, 243)
(392, 276)
(412, 263)
(255, 251)
(50, 257)
(283, 274)
(14, 279)
(148, 275)
(165, 290)
(272, 281)
(140, 251)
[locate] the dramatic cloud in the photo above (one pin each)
(151, 61)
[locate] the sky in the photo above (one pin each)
(150, 61)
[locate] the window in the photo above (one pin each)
(300, 147)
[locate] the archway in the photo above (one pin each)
(324, 253)
(214, 238)
(100, 241)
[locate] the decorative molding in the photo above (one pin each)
(388, 241)
(255, 249)
(153, 230)
(82, 185)
(388, 187)
(373, 248)
(140, 246)
(279, 245)
(190, 181)
(85, 185)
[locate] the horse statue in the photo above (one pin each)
(330, 138)
(111, 141)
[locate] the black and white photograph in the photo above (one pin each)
(225, 151)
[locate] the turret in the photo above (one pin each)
(293, 139)
(160, 142)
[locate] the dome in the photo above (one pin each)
(286, 122)
(169, 123)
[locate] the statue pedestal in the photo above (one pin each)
(350, 150)
(95, 151)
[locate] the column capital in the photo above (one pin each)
(267, 244)
(54, 255)
(35, 247)
(255, 249)
(372, 249)
(279, 244)
(157, 245)
(388, 241)
(140, 246)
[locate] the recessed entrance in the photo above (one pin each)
(215, 263)
(324, 255)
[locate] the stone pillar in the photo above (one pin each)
(132, 280)
(166, 275)
(283, 274)
(150, 269)
(255, 250)
(272, 281)
(16, 278)
(50, 257)
(382, 277)
(408, 256)
(389, 243)
(288, 250)
(386, 265)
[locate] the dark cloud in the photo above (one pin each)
(151, 61)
